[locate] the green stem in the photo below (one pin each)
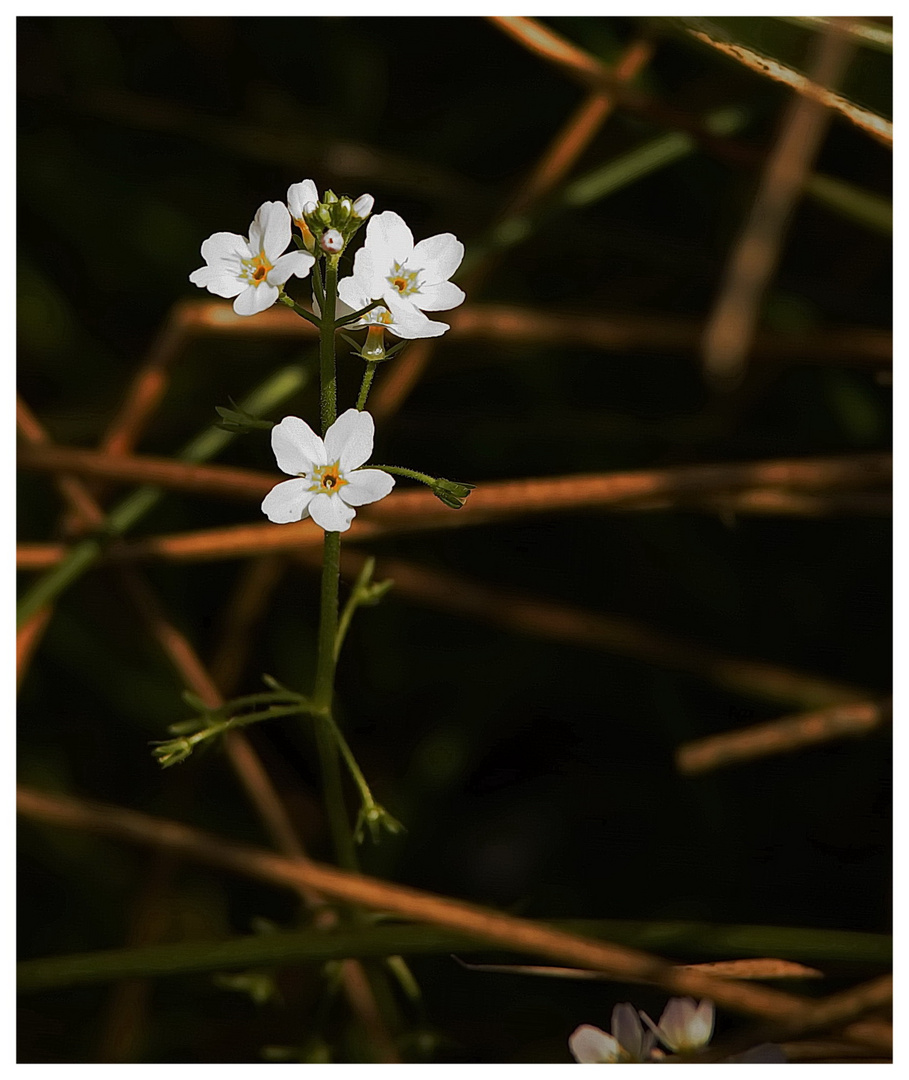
(285, 949)
(302, 312)
(398, 470)
(327, 345)
(344, 319)
(328, 612)
(366, 384)
(317, 283)
(275, 390)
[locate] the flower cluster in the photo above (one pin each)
(394, 282)
(684, 1027)
(404, 279)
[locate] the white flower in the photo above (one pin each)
(591, 1046)
(685, 1024)
(410, 278)
(400, 319)
(629, 1042)
(252, 270)
(328, 481)
(362, 206)
(302, 199)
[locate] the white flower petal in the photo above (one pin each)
(298, 195)
(409, 322)
(441, 297)
(330, 513)
(366, 486)
(388, 238)
(270, 230)
(296, 446)
(591, 1046)
(256, 298)
(351, 296)
(287, 501)
(218, 281)
(298, 263)
(225, 246)
(349, 439)
(628, 1029)
(371, 273)
(438, 257)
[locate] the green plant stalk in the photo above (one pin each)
(326, 744)
(360, 585)
(365, 385)
(275, 390)
(399, 470)
(702, 940)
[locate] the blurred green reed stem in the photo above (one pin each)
(863, 207)
(364, 942)
(271, 393)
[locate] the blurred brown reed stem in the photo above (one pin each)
(77, 498)
(124, 1016)
(495, 500)
(242, 612)
(783, 736)
(758, 968)
(813, 88)
(483, 923)
(28, 638)
(557, 161)
(553, 621)
(239, 541)
(544, 42)
(516, 325)
(37, 556)
(149, 384)
(730, 330)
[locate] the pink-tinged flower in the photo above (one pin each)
(629, 1042)
(410, 278)
(328, 479)
(685, 1025)
(252, 270)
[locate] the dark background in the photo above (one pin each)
(534, 776)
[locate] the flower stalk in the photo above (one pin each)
(326, 730)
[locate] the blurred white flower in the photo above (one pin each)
(685, 1024)
(328, 482)
(252, 270)
(629, 1042)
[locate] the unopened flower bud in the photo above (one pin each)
(362, 207)
(332, 241)
(309, 208)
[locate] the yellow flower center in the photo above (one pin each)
(257, 268)
(327, 478)
(405, 281)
